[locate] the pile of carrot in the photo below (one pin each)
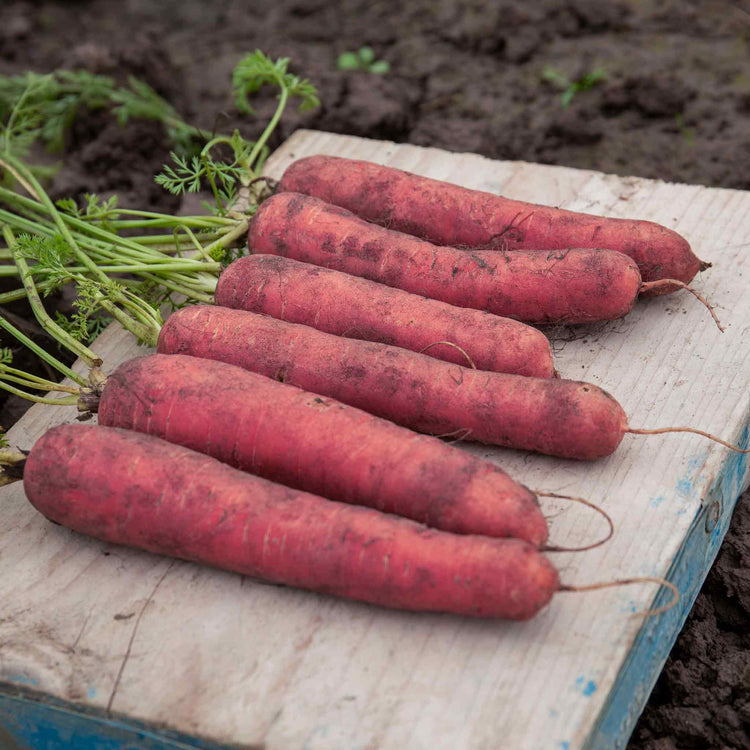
(373, 301)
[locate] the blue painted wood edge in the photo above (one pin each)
(656, 638)
(31, 720)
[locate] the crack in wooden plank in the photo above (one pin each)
(132, 636)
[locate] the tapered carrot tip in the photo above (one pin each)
(694, 431)
(627, 582)
(664, 286)
(591, 545)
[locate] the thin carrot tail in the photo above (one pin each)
(647, 286)
(589, 504)
(457, 435)
(694, 431)
(627, 581)
(456, 346)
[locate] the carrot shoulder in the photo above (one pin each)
(535, 286)
(132, 489)
(318, 445)
(558, 417)
(448, 214)
(351, 306)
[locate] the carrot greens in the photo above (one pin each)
(126, 264)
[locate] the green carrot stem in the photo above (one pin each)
(212, 183)
(123, 268)
(69, 401)
(31, 377)
(50, 224)
(239, 231)
(197, 245)
(101, 248)
(154, 267)
(169, 239)
(40, 386)
(260, 143)
(23, 222)
(41, 353)
(31, 225)
(180, 289)
(264, 154)
(56, 217)
(17, 294)
(8, 271)
(195, 222)
(115, 251)
(143, 310)
(125, 320)
(142, 332)
(40, 313)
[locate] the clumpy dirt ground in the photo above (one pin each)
(466, 76)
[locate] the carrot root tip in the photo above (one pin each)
(694, 431)
(588, 504)
(647, 286)
(627, 581)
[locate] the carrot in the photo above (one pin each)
(318, 445)
(128, 488)
(558, 417)
(535, 286)
(447, 214)
(350, 306)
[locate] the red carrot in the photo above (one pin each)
(447, 214)
(350, 306)
(128, 488)
(566, 286)
(559, 417)
(318, 445)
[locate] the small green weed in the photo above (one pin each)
(363, 59)
(687, 133)
(569, 87)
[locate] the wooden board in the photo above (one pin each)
(214, 655)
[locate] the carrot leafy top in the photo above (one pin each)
(126, 264)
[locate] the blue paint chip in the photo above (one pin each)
(685, 486)
(564, 745)
(91, 693)
(655, 502)
(696, 461)
(584, 686)
(590, 688)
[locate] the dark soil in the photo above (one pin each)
(465, 76)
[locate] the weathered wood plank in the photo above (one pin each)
(232, 660)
